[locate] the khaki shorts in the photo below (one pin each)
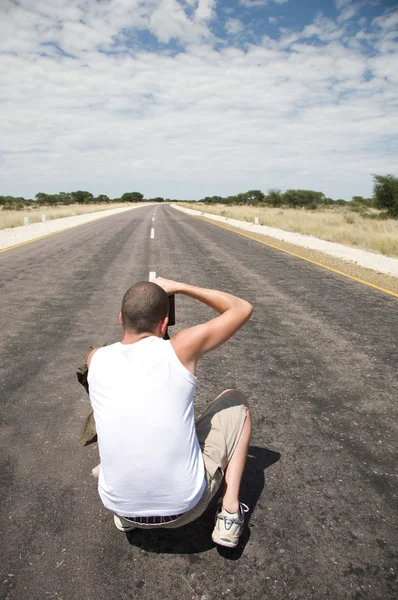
(218, 431)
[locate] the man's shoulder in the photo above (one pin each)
(105, 348)
(183, 345)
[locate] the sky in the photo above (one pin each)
(191, 98)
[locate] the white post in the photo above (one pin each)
(26, 220)
(43, 218)
(256, 220)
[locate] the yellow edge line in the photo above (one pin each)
(42, 237)
(313, 262)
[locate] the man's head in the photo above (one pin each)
(145, 306)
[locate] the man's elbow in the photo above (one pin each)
(248, 310)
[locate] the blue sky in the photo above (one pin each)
(188, 98)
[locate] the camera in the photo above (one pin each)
(172, 317)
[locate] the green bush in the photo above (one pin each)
(299, 198)
(379, 216)
(385, 191)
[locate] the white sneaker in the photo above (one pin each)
(96, 471)
(229, 526)
(121, 526)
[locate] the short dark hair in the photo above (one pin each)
(144, 305)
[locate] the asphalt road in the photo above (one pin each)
(318, 361)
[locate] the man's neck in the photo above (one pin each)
(132, 338)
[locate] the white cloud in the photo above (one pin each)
(169, 21)
(348, 13)
(256, 3)
(205, 10)
(387, 21)
(341, 3)
(286, 113)
(75, 28)
(387, 42)
(233, 26)
(326, 30)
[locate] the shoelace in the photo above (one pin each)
(230, 520)
(244, 507)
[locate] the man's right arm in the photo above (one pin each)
(192, 343)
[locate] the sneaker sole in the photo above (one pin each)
(123, 529)
(126, 529)
(223, 542)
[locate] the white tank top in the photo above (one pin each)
(151, 462)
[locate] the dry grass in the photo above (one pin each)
(15, 218)
(337, 224)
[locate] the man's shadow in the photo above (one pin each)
(196, 536)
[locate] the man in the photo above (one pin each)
(158, 467)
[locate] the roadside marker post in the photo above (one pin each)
(256, 220)
(26, 221)
(43, 218)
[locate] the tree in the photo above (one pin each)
(48, 199)
(240, 199)
(65, 198)
(306, 198)
(385, 193)
(102, 198)
(254, 197)
(274, 197)
(14, 203)
(132, 197)
(81, 197)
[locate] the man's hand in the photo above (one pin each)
(169, 286)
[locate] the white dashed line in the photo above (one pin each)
(152, 234)
(152, 275)
(153, 218)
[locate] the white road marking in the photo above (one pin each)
(153, 218)
(152, 234)
(152, 275)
